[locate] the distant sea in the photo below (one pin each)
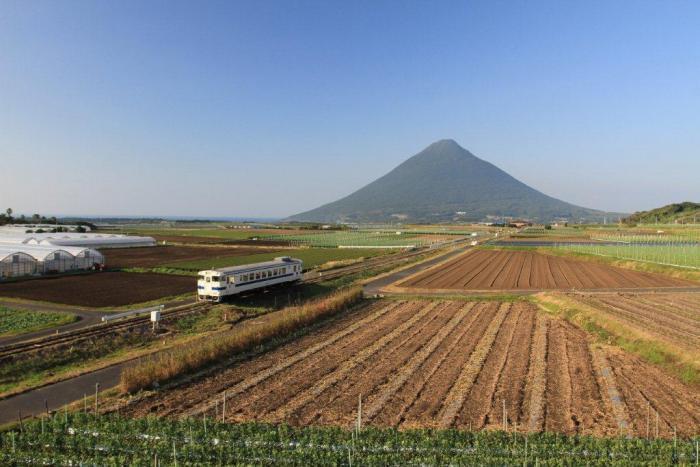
(172, 218)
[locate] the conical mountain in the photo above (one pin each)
(446, 182)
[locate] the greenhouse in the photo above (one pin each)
(23, 260)
(89, 240)
(14, 263)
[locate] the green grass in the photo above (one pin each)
(83, 439)
(13, 322)
(312, 257)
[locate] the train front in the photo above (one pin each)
(210, 286)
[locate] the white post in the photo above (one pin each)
(223, 412)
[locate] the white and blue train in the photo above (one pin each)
(215, 284)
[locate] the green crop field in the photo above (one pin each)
(369, 238)
(352, 238)
(14, 322)
(686, 255)
(312, 257)
(659, 238)
(83, 439)
(224, 234)
(553, 232)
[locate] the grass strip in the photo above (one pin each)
(191, 357)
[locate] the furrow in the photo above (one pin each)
(349, 365)
(535, 390)
(458, 393)
(265, 374)
(414, 363)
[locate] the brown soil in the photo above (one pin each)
(101, 289)
(429, 364)
(147, 257)
(527, 270)
(668, 317)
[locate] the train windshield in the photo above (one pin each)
(215, 278)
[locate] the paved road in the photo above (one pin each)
(59, 394)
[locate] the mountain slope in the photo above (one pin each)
(686, 212)
(439, 182)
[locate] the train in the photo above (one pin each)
(215, 284)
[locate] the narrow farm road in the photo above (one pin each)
(59, 394)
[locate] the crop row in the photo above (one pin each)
(111, 440)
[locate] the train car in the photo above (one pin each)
(215, 284)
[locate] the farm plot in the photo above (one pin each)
(529, 270)
(104, 289)
(14, 321)
(673, 318)
(442, 364)
(148, 257)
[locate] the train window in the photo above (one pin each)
(257, 275)
(201, 277)
(208, 279)
(215, 278)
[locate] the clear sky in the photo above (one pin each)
(267, 108)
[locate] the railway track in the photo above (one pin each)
(104, 329)
(96, 330)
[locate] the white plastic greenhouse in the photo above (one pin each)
(90, 240)
(22, 260)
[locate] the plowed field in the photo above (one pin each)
(102, 289)
(523, 270)
(673, 318)
(443, 364)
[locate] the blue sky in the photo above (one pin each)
(268, 108)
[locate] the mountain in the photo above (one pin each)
(446, 182)
(681, 213)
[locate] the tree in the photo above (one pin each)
(9, 213)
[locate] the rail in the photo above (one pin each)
(96, 330)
